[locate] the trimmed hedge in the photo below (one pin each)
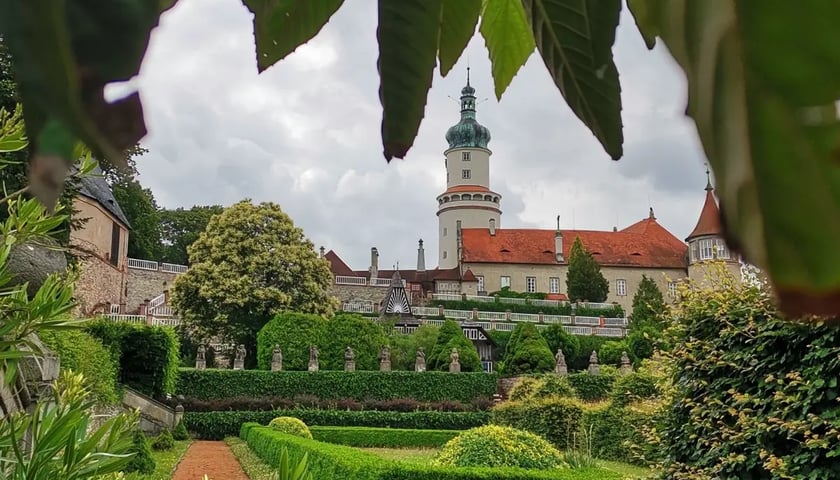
(332, 385)
(383, 437)
(218, 425)
(592, 387)
(81, 352)
(338, 462)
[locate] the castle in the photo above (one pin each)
(477, 256)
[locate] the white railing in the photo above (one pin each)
(524, 317)
(114, 308)
(446, 297)
(609, 332)
(562, 319)
(142, 319)
(126, 318)
(357, 307)
(574, 330)
(481, 298)
(382, 282)
(173, 268)
(142, 264)
(431, 311)
(163, 311)
(615, 322)
(157, 301)
(602, 306)
(166, 322)
(459, 314)
(547, 303)
(594, 321)
(492, 316)
(345, 280)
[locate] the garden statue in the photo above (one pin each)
(626, 367)
(420, 360)
(385, 359)
(239, 359)
(200, 361)
(349, 360)
(454, 361)
(313, 358)
(276, 359)
(560, 363)
(594, 368)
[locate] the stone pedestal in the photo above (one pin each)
(626, 367)
(561, 370)
(313, 366)
(349, 365)
(239, 364)
(455, 367)
(385, 366)
(594, 368)
(200, 364)
(277, 366)
(420, 365)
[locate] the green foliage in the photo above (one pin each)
(588, 344)
(592, 387)
(180, 432)
(141, 461)
(554, 386)
(250, 264)
(457, 26)
(180, 228)
(365, 337)
(755, 395)
(295, 333)
(451, 336)
(558, 338)
(506, 292)
(527, 351)
(291, 425)
(584, 280)
(84, 354)
(642, 342)
(509, 41)
(610, 352)
(218, 425)
(367, 437)
(147, 355)
(524, 388)
(648, 305)
(497, 446)
(556, 419)
(143, 215)
(338, 462)
(164, 441)
(404, 347)
(500, 305)
(634, 387)
(360, 385)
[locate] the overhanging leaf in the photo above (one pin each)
(763, 80)
(408, 40)
(641, 14)
(575, 39)
(509, 40)
(280, 26)
(458, 19)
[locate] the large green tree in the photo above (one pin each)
(584, 280)
(648, 304)
(250, 264)
(452, 336)
(181, 227)
(527, 351)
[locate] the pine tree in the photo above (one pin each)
(584, 280)
(527, 351)
(648, 304)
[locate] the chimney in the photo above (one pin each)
(558, 242)
(323, 250)
(492, 227)
(421, 258)
(374, 262)
(615, 229)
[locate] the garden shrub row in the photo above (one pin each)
(245, 403)
(147, 356)
(338, 462)
(218, 425)
(592, 387)
(336, 385)
(82, 353)
(383, 437)
(500, 306)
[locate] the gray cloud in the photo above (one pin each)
(305, 134)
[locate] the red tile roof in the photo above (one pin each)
(643, 244)
(709, 221)
(339, 268)
(337, 265)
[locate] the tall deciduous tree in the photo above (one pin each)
(181, 227)
(584, 280)
(249, 265)
(648, 303)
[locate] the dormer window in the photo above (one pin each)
(465, 156)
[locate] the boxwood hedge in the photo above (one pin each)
(338, 462)
(383, 437)
(336, 385)
(218, 425)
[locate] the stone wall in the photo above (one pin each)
(100, 284)
(145, 285)
(357, 293)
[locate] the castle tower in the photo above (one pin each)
(468, 201)
(706, 241)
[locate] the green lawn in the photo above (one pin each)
(165, 462)
(629, 471)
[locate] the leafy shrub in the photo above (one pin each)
(501, 339)
(532, 356)
(632, 387)
(290, 425)
(164, 441)
(554, 386)
(295, 333)
(142, 461)
(641, 342)
(556, 419)
(404, 346)
(524, 388)
(147, 355)
(337, 462)
(180, 432)
(496, 446)
(500, 305)
(218, 425)
(592, 387)
(755, 396)
(366, 338)
(588, 344)
(610, 312)
(82, 353)
(424, 387)
(558, 337)
(610, 352)
(451, 336)
(308, 401)
(365, 437)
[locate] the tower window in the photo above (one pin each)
(707, 249)
(504, 281)
(465, 156)
(466, 174)
(444, 231)
(531, 284)
(621, 287)
(444, 254)
(720, 249)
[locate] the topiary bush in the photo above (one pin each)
(142, 461)
(610, 352)
(554, 386)
(527, 351)
(556, 419)
(498, 446)
(164, 441)
(524, 388)
(633, 387)
(558, 337)
(451, 336)
(593, 387)
(81, 352)
(180, 432)
(366, 337)
(290, 425)
(295, 333)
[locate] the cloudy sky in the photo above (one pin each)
(305, 134)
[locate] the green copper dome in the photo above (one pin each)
(468, 132)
